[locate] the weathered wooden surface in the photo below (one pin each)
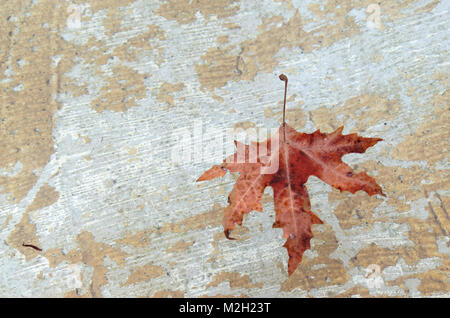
(92, 92)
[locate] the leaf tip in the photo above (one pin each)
(227, 235)
(214, 172)
(315, 219)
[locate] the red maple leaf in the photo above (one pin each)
(295, 156)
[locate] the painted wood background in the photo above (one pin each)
(97, 97)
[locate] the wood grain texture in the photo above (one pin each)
(96, 96)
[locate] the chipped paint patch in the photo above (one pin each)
(429, 137)
(356, 114)
(184, 11)
(46, 196)
(235, 280)
(122, 91)
(25, 231)
(144, 273)
(165, 93)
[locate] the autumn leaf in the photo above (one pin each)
(296, 157)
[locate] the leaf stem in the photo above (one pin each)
(285, 80)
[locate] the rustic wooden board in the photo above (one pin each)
(95, 96)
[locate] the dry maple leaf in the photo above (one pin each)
(298, 156)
